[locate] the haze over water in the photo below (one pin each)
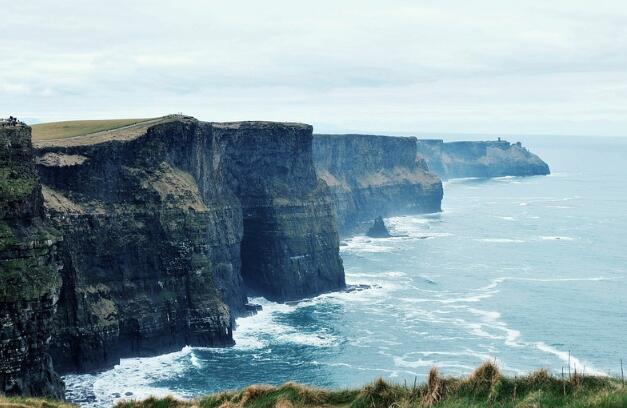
(517, 270)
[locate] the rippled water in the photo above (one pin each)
(517, 270)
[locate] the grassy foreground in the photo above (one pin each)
(485, 387)
(73, 128)
(6, 402)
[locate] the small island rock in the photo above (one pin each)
(378, 229)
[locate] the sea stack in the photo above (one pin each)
(378, 229)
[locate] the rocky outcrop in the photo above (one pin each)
(480, 159)
(29, 278)
(374, 175)
(166, 230)
(378, 229)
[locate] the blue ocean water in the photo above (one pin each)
(516, 270)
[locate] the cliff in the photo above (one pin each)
(168, 226)
(372, 176)
(480, 159)
(290, 244)
(29, 279)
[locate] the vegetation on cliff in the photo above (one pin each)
(485, 387)
(73, 128)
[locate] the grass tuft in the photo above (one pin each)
(435, 388)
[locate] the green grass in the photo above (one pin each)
(15, 186)
(485, 387)
(62, 130)
(18, 402)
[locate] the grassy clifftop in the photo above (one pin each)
(89, 132)
(62, 130)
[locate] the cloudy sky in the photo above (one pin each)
(440, 66)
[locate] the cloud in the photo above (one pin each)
(424, 66)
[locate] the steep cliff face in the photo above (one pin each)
(374, 175)
(29, 278)
(151, 246)
(480, 159)
(156, 226)
(290, 247)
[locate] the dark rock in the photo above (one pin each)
(378, 229)
(290, 247)
(252, 309)
(151, 247)
(480, 159)
(165, 231)
(374, 175)
(357, 288)
(29, 278)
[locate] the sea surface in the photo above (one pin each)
(520, 271)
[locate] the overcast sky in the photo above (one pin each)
(493, 67)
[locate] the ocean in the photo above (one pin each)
(528, 272)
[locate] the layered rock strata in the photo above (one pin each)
(480, 159)
(290, 243)
(29, 277)
(374, 175)
(166, 230)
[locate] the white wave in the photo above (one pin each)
(391, 274)
(420, 363)
(263, 329)
(366, 245)
(196, 362)
(130, 378)
(575, 363)
(491, 318)
(496, 282)
(501, 240)
(399, 362)
(505, 218)
(451, 300)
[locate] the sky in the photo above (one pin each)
(441, 66)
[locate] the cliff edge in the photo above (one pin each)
(480, 159)
(29, 278)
